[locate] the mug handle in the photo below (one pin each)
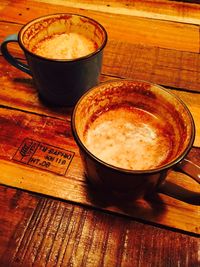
(168, 188)
(190, 168)
(7, 55)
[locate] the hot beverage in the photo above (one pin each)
(64, 55)
(129, 138)
(130, 135)
(65, 46)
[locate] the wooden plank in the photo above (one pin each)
(21, 206)
(58, 233)
(179, 69)
(163, 66)
(181, 11)
(140, 30)
(4, 3)
(39, 231)
(27, 142)
(166, 67)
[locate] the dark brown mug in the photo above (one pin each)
(130, 134)
(60, 81)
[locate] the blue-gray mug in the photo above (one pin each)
(59, 81)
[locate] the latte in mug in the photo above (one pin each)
(65, 46)
(64, 55)
(129, 137)
(129, 126)
(130, 134)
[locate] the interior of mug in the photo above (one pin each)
(45, 27)
(171, 115)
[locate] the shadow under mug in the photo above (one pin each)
(59, 81)
(160, 103)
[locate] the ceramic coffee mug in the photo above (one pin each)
(130, 134)
(60, 80)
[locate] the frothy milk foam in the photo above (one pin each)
(65, 46)
(128, 138)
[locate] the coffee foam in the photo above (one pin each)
(65, 46)
(128, 138)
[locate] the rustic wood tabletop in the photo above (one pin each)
(49, 216)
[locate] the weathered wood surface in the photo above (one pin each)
(131, 29)
(179, 11)
(45, 165)
(38, 231)
(153, 40)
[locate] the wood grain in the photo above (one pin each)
(181, 11)
(16, 209)
(171, 68)
(179, 69)
(153, 40)
(55, 233)
(18, 90)
(163, 66)
(135, 30)
(33, 175)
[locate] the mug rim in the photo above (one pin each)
(88, 56)
(129, 171)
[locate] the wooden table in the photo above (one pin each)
(51, 217)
